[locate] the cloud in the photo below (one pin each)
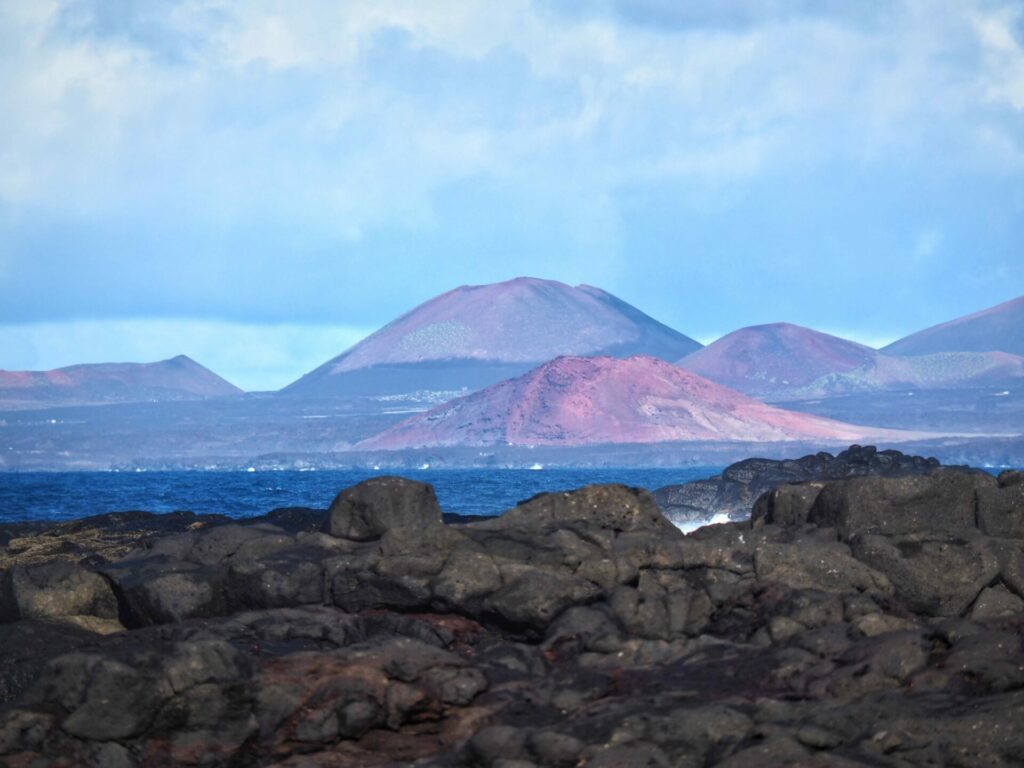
(675, 15)
(1004, 55)
(926, 244)
(335, 164)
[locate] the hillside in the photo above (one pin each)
(477, 335)
(584, 401)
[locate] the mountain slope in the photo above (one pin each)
(944, 370)
(476, 335)
(581, 401)
(999, 328)
(767, 360)
(179, 378)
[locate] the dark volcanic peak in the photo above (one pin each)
(179, 378)
(601, 400)
(999, 328)
(509, 326)
(763, 360)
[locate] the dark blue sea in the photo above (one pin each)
(69, 495)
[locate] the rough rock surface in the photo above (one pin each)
(366, 511)
(734, 491)
(863, 621)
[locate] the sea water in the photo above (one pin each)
(70, 495)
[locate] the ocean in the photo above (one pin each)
(70, 495)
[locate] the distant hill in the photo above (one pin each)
(766, 360)
(999, 328)
(574, 401)
(179, 378)
(477, 335)
(944, 370)
(781, 362)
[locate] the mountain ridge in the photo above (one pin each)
(761, 360)
(782, 361)
(496, 330)
(176, 378)
(999, 328)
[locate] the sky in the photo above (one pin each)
(261, 184)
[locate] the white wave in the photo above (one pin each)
(689, 526)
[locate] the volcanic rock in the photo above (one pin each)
(862, 620)
(734, 492)
(57, 590)
(368, 510)
(610, 507)
(943, 501)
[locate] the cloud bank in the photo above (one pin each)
(717, 164)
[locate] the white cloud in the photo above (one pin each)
(926, 244)
(251, 356)
(1004, 55)
(97, 113)
(194, 152)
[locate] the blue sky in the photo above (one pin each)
(259, 184)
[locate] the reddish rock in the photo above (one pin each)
(581, 401)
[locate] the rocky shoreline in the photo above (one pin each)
(853, 621)
(733, 493)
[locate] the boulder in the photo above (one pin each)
(933, 577)
(812, 564)
(734, 491)
(55, 590)
(614, 508)
(368, 510)
(940, 503)
(291, 578)
(465, 578)
(996, 602)
(1010, 477)
(25, 648)
(1001, 506)
(170, 690)
(532, 600)
(161, 591)
(786, 505)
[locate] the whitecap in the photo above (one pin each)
(689, 526)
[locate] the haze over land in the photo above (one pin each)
(467, 370)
